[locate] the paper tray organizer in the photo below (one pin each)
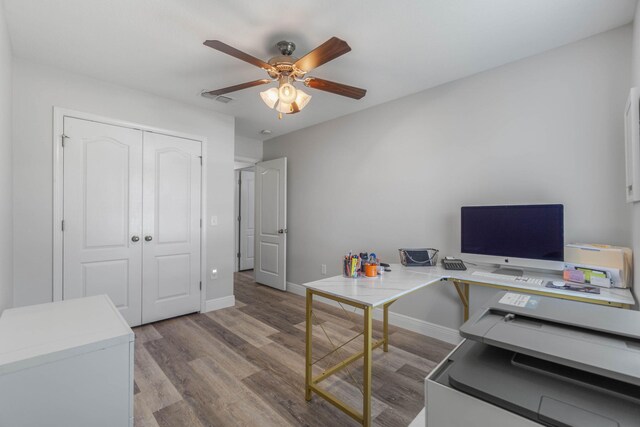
(424, 257)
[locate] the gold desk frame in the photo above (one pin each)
(364, 417)
(311, 382)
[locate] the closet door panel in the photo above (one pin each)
(102, 214)
(171, 212)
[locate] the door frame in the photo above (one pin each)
(238, 211)
(240, 163)
(59, 114)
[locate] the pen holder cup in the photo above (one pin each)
(347, 270)
(371, 270)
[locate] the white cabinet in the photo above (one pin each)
(67, 363)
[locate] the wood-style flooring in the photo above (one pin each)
(244, 366)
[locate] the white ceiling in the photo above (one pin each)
(398, 47)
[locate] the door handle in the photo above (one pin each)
(135, 239)
(282, 231)
(148, 238)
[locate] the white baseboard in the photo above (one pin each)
(419, 326)
(294, 288)
(442, 333)
(219, 303)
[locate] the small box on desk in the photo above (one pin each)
(610, 257)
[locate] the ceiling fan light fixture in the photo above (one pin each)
(270, 97)
(302, 99)
(284, 107)
(287, 93)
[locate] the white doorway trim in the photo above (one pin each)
(240, 163)
(238, 214)
(251, 160)
(58, 194)
(244, 162)
(236, 222)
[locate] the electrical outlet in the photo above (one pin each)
(324, 269)
(214, 220)
(214, 274)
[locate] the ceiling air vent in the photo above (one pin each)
(219, 98)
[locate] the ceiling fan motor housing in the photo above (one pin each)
(284, 66)
(285, 47)
(284, 62)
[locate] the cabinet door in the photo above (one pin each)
(171, 224)
(103, 214)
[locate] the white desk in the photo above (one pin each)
(376, 291)
(612, 297)
(368, 293)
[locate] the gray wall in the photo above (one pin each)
(248, 147)
(546, 129)
(37, 89)
(6, 206)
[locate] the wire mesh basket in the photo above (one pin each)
(423, 257)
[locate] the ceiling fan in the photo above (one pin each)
(285, 70)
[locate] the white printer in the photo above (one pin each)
(529, 360)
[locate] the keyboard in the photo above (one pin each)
(515, 279)
(453, 264)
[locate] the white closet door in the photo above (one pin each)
(171, 224)
(102, 214)
(247, 219)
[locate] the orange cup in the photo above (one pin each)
(371, 270)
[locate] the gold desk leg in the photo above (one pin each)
(366, 372)
(308, 366)
(385, 328)
(466, 297)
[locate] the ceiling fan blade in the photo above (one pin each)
(225, 48)
(337, 88)
(237, 87)
(324, 53)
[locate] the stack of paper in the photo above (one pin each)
(613, 259)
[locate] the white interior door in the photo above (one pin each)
(102, 214)
(247, 219)
(271, 223)
(171, 224)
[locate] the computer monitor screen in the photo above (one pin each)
(519, 231)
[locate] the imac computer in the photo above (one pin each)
(514, 237)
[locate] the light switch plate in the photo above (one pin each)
(214, 220)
